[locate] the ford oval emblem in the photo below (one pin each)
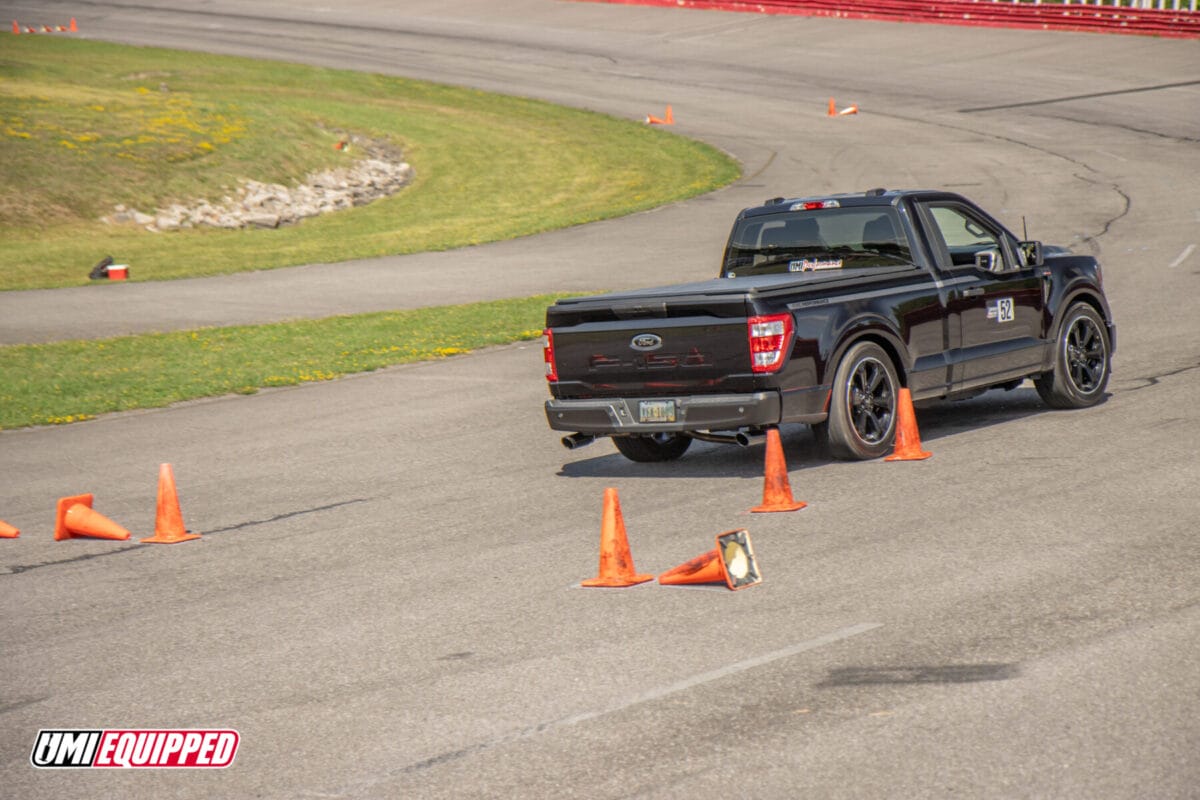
(646, 341)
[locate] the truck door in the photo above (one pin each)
(997, 313)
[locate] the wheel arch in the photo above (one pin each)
(880, 335)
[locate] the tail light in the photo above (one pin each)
(770, 338)
(548, 355)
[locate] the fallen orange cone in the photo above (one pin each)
(616, 562)
(731, 562)
(168, 520)
(908, 439)
(8, 531)
(667, 119)
(777, 492)
(75, 518)
(850, 109)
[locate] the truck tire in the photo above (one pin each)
(1081, 361)
(862, 410)
(659, 447)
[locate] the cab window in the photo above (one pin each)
(963, 235)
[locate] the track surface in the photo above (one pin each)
(385, 600)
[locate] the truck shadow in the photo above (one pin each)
(936, 419)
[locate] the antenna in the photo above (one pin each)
(1024, 229)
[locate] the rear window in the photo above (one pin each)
(820, 239)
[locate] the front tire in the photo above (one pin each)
(862, 411)
(656, 447)
(1082, 359)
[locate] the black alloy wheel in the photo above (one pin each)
(862, 412)
(1081, 361)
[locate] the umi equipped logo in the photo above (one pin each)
(130, 748)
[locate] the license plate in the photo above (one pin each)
(656, 411)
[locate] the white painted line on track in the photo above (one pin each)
(654, 694)
(725, 672)
(1187, 251)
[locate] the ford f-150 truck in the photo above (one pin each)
(823, 309)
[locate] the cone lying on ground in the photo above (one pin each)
(8, 531)
(850, 109)
(616, 562)
(908, 439)
(168, 520)
(75, 518)
(777, 492)
(732, 561)
(667, 119)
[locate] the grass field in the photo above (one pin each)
(86, 125)
(63, 382)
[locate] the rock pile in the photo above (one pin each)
(269, 205)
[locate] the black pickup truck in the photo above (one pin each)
(824, 308)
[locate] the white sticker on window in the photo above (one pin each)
(807, 265)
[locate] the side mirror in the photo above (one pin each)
(1034, 254)
(989, 261)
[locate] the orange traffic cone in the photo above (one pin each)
(75, 518)
(832, 108)
(731, 562)
(16, 28)
(777, 492)
(8, 531)
(168, 522)
(668, 118)
(850, 109)
(908, 439)
(616, 562)
(74, 27)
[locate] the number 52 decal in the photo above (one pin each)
(1002, 310)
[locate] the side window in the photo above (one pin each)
(964, 236)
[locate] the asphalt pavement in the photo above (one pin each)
(385, 600)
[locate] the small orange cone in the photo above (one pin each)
(616, 562)
(74, 27)
(75, 518)
(777, 492)
(667, 119)
(168, 522)
(16, 28)
(908, 439)
(850, 109)
(832, 108)
(731, 562)
(8, 531)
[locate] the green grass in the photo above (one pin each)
(86, 125)
(63, 382)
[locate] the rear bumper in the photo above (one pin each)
(619, 415)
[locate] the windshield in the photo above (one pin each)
(820, 239)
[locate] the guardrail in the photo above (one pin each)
(1100, 16)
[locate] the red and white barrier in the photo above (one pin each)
(1177, 23)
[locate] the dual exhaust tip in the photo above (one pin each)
(745, 438)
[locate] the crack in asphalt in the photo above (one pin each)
(1051, 101)
(17, 569)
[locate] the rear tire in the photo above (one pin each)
(656, 447)
(1081, 361)
(862, 410)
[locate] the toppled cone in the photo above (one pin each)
(848, 110)
(732, 562)
(667, 119)
(616, 562)
(75, 519)
(777, 492)
(908, 438)
(168, 520)
(8, 531)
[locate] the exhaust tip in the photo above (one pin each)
(576, 440)
(749, 438)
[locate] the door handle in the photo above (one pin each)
(974, 292)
